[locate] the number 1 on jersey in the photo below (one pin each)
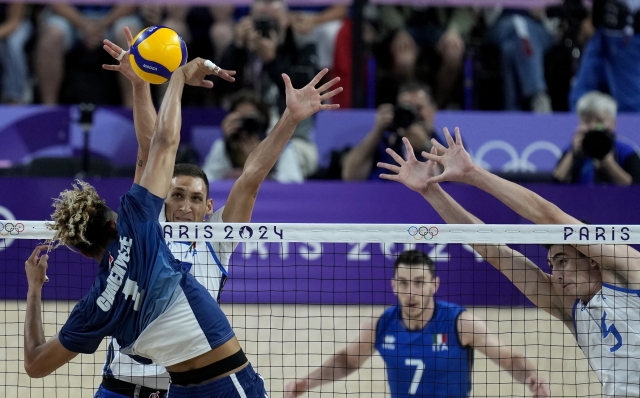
(416, 376)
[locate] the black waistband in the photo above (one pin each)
(208, 372)
(129, 389)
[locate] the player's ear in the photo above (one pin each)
(209, 208)
(436, 280)
(594, 264)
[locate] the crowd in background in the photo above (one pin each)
(416, 60)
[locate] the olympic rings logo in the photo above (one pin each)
(423, 233)
(11, 229)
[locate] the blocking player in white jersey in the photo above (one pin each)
(188, 201)
(593, 289)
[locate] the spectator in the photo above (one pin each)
(319, 27)
(221, 31)
(263, 48)
(413, 117)
(243, 129)
(15, 31)
(174, 17)
(413, 37)
(595, 155)
(523, 40)
(611, 58)
(64, 26)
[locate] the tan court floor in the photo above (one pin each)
(283, 342)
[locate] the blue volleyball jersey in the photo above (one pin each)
(144, 297)
(429, 362)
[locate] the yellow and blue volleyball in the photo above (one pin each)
(156, 52)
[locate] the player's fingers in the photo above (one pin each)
(328, 84)
(128, 35)
(431, 156)
(436, 179)
(391, 177)
(287, 80)
(409, 147)
(328, 107)
(111, 50)
(319, 76)
(330, 94)
(439, 146)
(206, 84)
(458, 136)
(390, 167)
(447, 136)
(395, 156)
(111, 67)
(36, 252)
(227, 75)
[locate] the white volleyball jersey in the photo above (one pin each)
(208, 262)
(608, 331)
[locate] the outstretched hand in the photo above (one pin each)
(124, 65)
(36, 267)
(196, 70)
(411, 172)
(455, 159)
(306, 101)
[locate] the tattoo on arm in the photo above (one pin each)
(140, 162)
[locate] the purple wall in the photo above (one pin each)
(264, 274)
(498, 141)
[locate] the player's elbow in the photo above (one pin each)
(34, 371)
(161, 142)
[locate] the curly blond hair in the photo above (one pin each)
(79, 219)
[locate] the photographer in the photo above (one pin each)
(263, 48)
(244, 127)
(412, 117)
(595, 155)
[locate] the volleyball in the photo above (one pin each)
(156, 52)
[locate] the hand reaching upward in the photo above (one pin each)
(411, 172)
(306, 101)
(455, 159)
(125, 68)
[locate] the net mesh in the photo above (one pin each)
(298, 294)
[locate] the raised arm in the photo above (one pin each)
(341, 364)
(524, 274)
(623, 260)
(474, 332)
(41, 357)
(459, 167)
(166, 135)
(144, 113)
(301, 104)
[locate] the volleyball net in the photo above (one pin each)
(298, 293)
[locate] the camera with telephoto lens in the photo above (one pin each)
(404, 115)
(597, 143)
(264, 25)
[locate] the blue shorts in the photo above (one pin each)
(245, 383)
(103, 393)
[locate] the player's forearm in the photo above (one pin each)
(447, 207)
(357, 163)
(521, 200)
(33, 331)
(264, 157)
(617, 174)
(144, 115)
(169, 119)
(335, 368)
(521, 368)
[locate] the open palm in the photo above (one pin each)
(411, 172)
(306, 101)
(455, 159)
(124, 65)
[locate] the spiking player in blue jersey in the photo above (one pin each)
(188, 201)
(142, 295)
(593, 288)
(426, 344)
